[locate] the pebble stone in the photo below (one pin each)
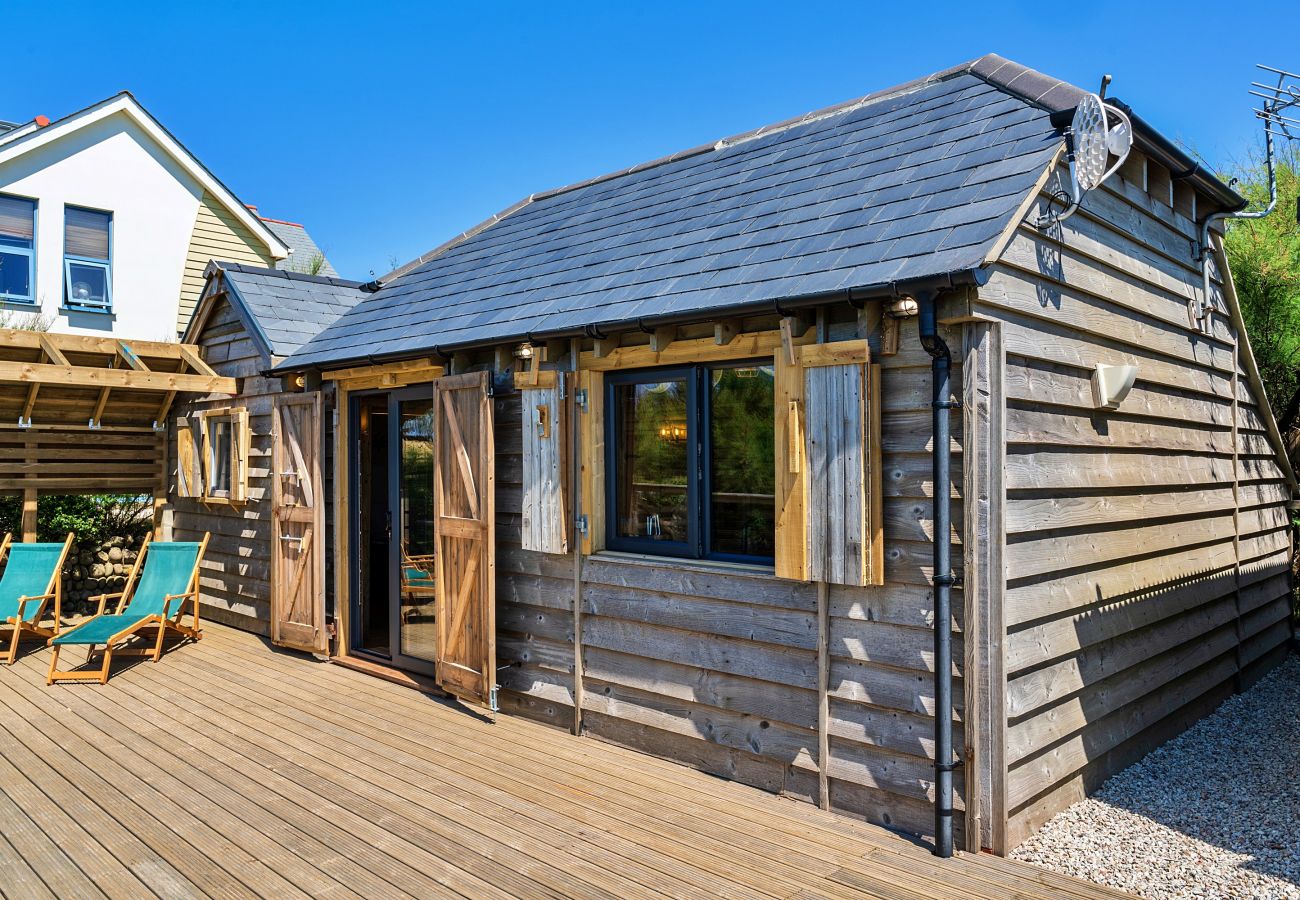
(1214, 813)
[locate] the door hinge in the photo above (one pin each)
(492, 700)
(562, 381)
(580, 398)
(581, 524)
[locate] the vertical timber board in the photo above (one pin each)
(297, 524)
(837, 502)
(464, 530)
(791, 472)
(544, 525)
(592, 492)
(983, 542)
(342, 525)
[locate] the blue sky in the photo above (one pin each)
(388, 127)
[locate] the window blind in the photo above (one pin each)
(85, 233)
(17, 217)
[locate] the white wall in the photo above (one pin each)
(111, 165)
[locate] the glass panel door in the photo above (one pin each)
(416, 595)
(393, 600)
(371, 581)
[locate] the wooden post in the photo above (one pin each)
(28, 521)
(29, 515)
(1236, 501)
(823, 698)
(983, 624)
(575, 478)
(162, 512)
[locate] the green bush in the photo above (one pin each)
(93, 518)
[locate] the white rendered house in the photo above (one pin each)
(107, 223)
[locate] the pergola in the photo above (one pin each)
(87, 415)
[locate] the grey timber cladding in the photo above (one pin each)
(289, 307)
(915, 183)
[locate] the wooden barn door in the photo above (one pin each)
(297, 531)
(464, 507)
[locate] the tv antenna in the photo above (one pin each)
(1097, 134)
(1279, 110)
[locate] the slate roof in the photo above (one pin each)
(301, 246)
(284, 309)
(908, 184)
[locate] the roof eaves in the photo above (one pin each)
(135, 107)
(1059, 97)
(974, 275)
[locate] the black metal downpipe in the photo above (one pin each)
(941, 403)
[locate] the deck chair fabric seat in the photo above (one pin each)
(32, 579)
(97, 630)
(27, 574)
(166, 573)
(163, 593)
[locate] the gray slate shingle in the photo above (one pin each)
(287, 308)
(914, 183)
(303, 248)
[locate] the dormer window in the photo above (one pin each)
(87, 270)
(17, 259)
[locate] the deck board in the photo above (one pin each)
(234, 770)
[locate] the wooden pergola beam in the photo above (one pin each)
(94, 377)
(164, 407)
(79, 343)
(97, 416)
(130, 357)
(192, 359)
(55, 355)
(32, 392)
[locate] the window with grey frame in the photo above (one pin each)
(690, 454)
(87, 266)
(17, 250)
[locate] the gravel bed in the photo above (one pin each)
(1213, 813)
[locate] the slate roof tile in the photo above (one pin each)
(286, 307)
(908, 184)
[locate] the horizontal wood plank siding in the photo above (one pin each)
(716, 666)
(235, 578)
(1147, 547)
(218, 235)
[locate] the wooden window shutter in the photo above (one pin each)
(830, 449)
(239, 441)
(189, 476)
(545, 520)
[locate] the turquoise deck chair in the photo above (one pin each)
(158, 599)
(31, 580)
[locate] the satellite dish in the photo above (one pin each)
(1098, 133)
(1091, 142)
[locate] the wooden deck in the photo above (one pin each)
(232, 770)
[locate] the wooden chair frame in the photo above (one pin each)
(162, 623)
(53, 591)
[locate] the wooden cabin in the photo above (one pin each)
(254, 469)
(652, 457)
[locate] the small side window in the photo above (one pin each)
(87, 266)
(218, 471)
